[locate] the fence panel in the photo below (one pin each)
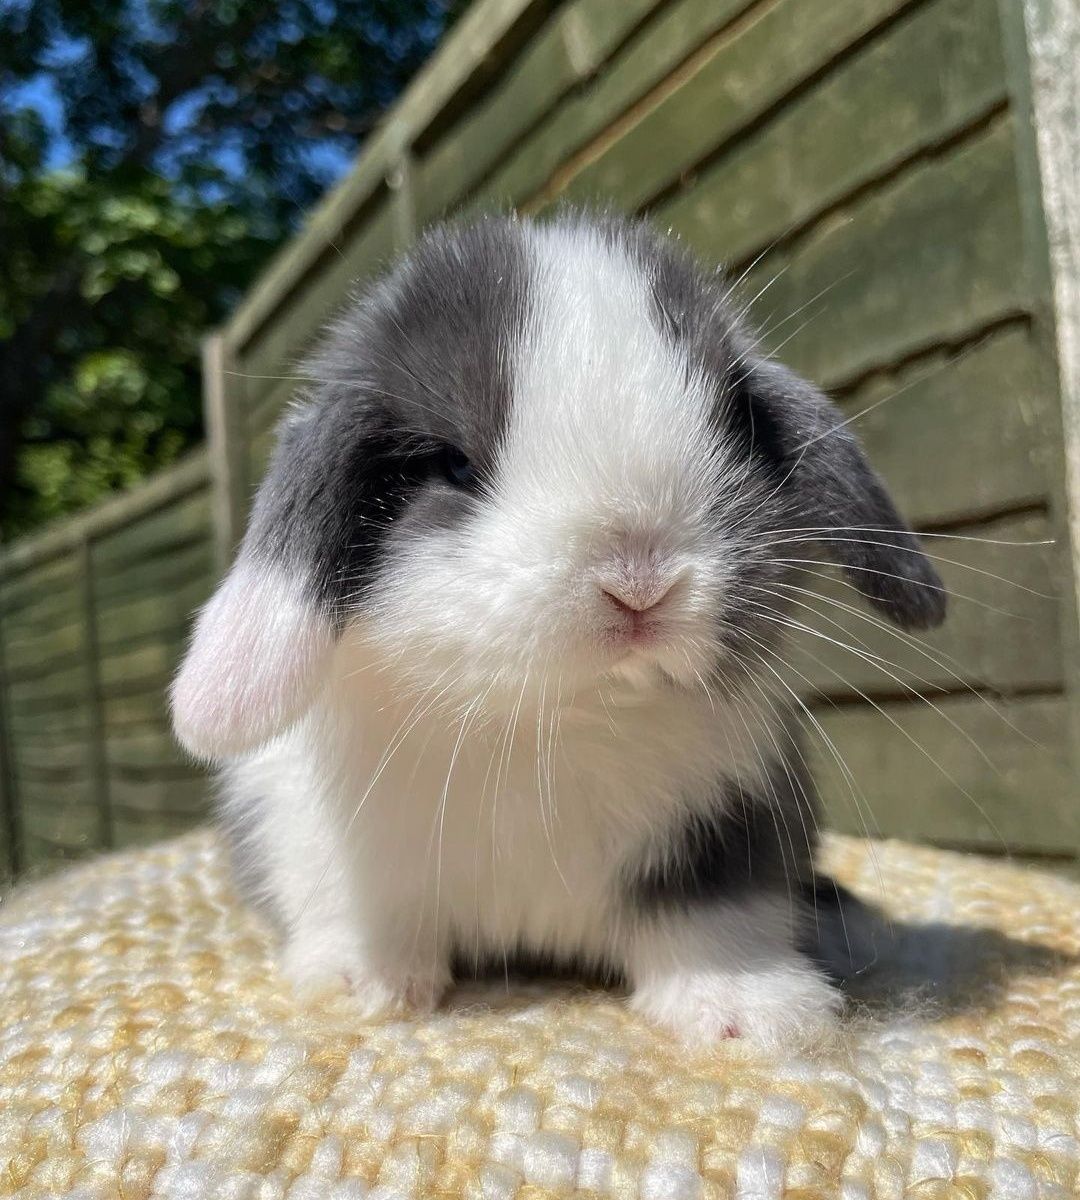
(93, 617)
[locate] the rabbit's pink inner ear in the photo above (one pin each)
(254, 665)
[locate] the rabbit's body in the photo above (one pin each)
(497, 669)
(427, 839)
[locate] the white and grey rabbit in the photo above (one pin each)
(496, 670)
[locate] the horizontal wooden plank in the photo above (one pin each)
(1003, 630)
(163, 488)
(745, 71)
(660, 46)
(136, 710)
(155, 574)
(59, 723)
(59, 727)
(157, 749)
(51, 753)
(994, 399)
(67, 668)
(132, 827)
(31, 587)
(58, 778)
(143, 665)
(277, 348)
(186, 521)
(921, 778)
(30, 655)
(31, 768)
(187, 797)
(161, 613)
(155, 773)
(137, 696)
(58, 781)
(931, 74)
(60, 688)
(127, 670)
(62, 812)
(567, 51)
(45, 615)
(926, 260)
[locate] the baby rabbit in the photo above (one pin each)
(497, 669)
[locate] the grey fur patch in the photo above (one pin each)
(420, 362)
(757, 838)
(525, 963)
(247, 865)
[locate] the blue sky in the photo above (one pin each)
(326, 159)
(40, 93)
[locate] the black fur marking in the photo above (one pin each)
(832, 488)
(420, 363)
(754, 430)
(760, 842)
(521, 962)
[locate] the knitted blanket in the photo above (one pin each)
(148, 1048)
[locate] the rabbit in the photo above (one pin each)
(496, 669)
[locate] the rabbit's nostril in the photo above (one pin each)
(635, 599)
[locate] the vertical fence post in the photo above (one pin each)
(225, 432)
(95, 718)
(11, 863)
(1042, 44)
(401, 182)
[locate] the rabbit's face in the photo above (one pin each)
(582, 507)
(538, 458)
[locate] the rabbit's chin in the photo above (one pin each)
(488, 688)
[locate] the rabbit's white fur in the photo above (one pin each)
(493, 753)
(589, 495)
(390, 833)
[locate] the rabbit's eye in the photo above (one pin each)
(456, 467)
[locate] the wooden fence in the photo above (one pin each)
(93, 618)
(870, 169)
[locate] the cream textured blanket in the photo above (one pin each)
(148, 1048)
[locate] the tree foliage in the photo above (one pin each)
(152, 154)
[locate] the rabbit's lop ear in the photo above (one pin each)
(253, 665)
(836, 500)
(261, 645)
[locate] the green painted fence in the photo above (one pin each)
(93, 616)
(872, 170)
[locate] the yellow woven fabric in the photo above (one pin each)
(148, 1048)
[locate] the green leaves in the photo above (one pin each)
(152, 155)
(148, 271)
